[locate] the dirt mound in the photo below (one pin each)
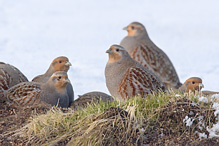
(179, 122)
(12, 119)
(113, 127)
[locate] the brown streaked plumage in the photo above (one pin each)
(192, 84)
(26, 93)
(126, 77)
(89, 98)
(58, 64)
(52, 92)
(143, 50)
(9, 76)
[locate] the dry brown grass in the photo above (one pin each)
(156, 120)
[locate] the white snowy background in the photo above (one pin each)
(34, 32)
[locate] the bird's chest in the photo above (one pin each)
(114, 75)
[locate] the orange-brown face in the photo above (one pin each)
(61, 64)
(115, 53)
(133, 28)
(61, 80)
(193, 84)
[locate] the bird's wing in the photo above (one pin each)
(139, 81)
(26, 93)
(4, 80)
(157, 61)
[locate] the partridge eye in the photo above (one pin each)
(133, 27)
(59, 77)
(117, 50)
(60, 61)
(193, 82)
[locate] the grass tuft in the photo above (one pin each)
(155, 119)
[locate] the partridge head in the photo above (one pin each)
(135, 29)
(127, 78)
(192, 84)
(58, 64)
(54, 91)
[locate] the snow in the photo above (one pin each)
(194, 104)
(161, 135)
(191, 113)
(142, 130)
(216, 107)
(201, 124)
(34, 32)
(215, 97)
(177, 95)
(203, 99)
(188, 121)
(214, 131)
(202, 135)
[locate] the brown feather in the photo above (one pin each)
(23, 94)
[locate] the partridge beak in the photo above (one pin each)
(68, 63)
(67, 81)
(109, 51)
(125, 28)
(201, 85)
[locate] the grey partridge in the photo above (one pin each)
(58, 64)
(90, 97)
(52, 92)
(143, 50)
(127, 78)
(192, 84)
(9, 76)
(195, 84)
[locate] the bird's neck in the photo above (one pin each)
(50, 71)
(143, 35)
(54, 88)
(122, 64)
(61, 90)
(114, 58)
